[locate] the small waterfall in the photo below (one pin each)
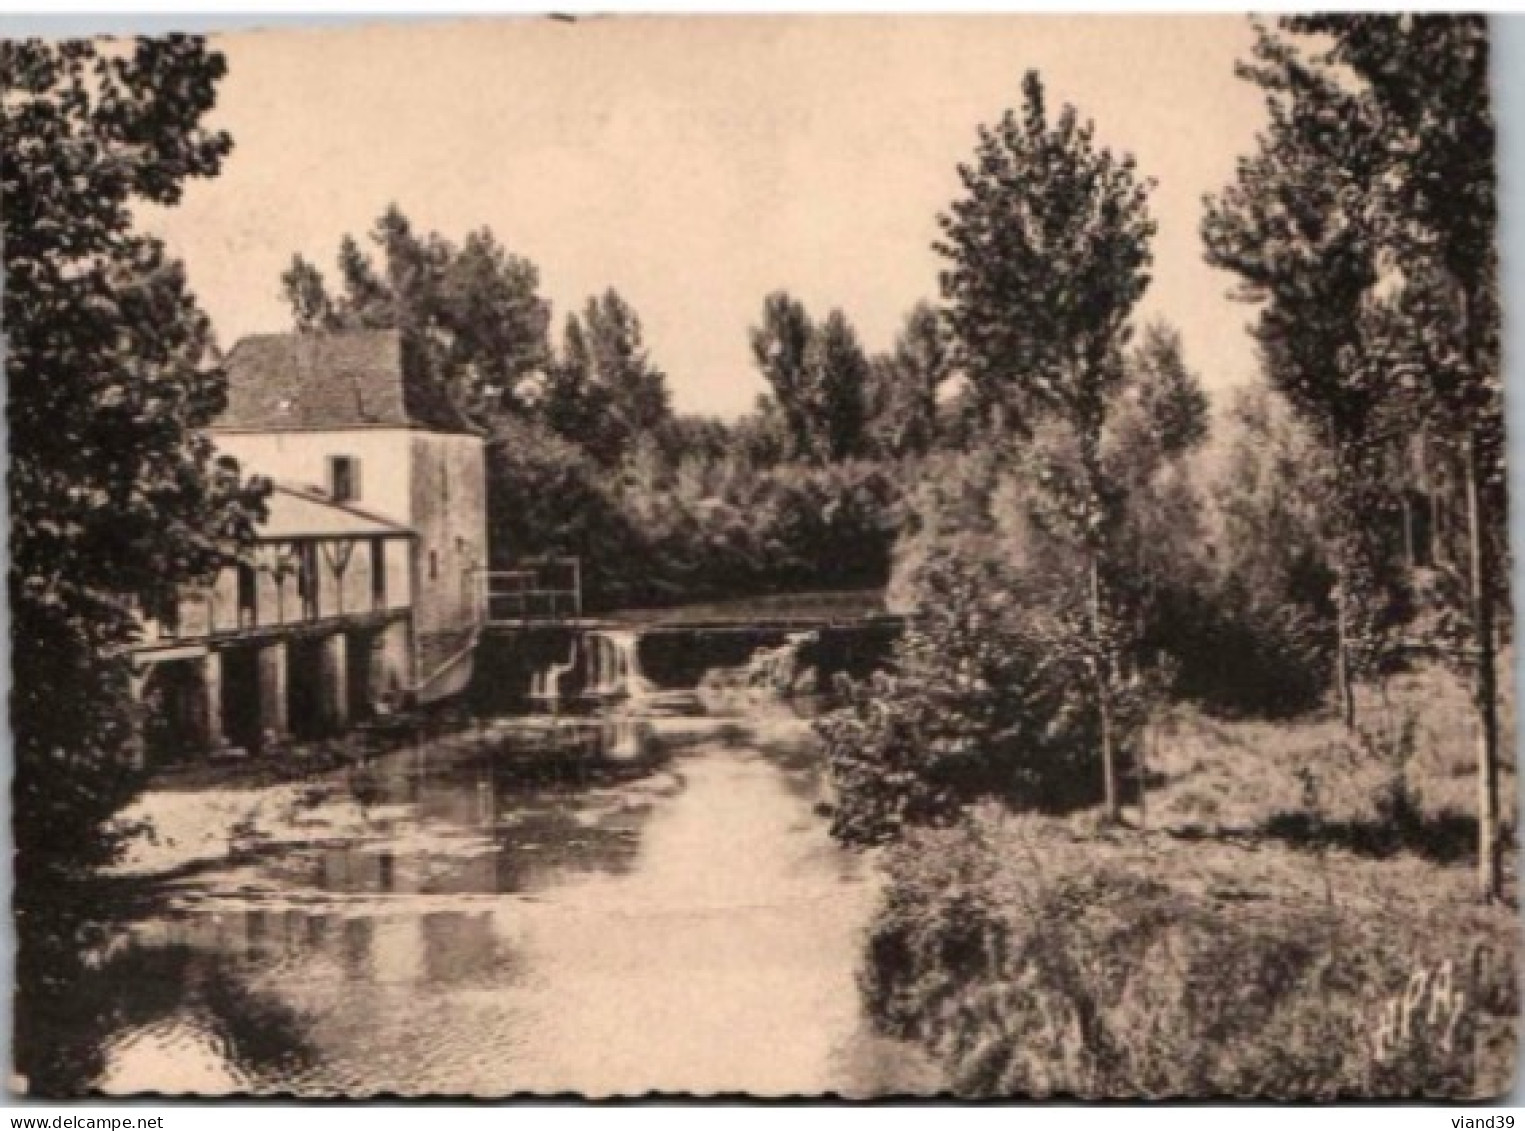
(778, 669)
(547, 684)
(772, 672)
(614, 665)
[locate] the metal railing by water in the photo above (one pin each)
(538, 591)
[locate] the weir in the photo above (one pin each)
(552, 667)
(602, 664)
(614, 665)
(546, 683)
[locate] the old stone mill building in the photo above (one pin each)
(362, 590)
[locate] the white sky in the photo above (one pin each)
(696, 164)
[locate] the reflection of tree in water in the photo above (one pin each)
(540, 805)
(553, 835)
(81, 984)
(796, 752)
(475, 830)
(62, 1014)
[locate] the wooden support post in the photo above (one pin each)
(334, 681)
(210, 712)
(272, 693)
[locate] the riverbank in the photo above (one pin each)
(1296, 917)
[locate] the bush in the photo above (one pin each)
(1089, 973)
(985, 697)
(1238, 657)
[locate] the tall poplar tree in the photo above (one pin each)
(1048, 254)
(1378, 172)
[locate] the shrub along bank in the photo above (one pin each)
(1263, 948)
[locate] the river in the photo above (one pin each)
(641, 900)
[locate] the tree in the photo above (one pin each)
(1170, 409)
(781, 348)
(1376, 178)
(1427, 80)
(980, 701)
(820, 378)
(1299, 228)
(602, 390)
(1261, 641)
(905, 384)
(1048, 254)
(305, 291)
(838, 374)
(634, 388)
(573, 404)
(474, 326)
(1157, 422)
(117, 498)
(547, 497)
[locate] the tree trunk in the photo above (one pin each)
(1490, 879)
(1409, 558)
(1103, 696)
(1342, 680)
(1343, 683)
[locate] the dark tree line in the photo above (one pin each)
(587, 456)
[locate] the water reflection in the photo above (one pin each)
(634, 900)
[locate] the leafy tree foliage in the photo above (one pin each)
(1169, 405)
(839, 373)
(781, 347)
(820, 377)
(1048, 253)
(604, 390)
(1254, 636)
(695, 527)
(116, 497)
(983, 699)
(1365, 227)
(548, 497)
(1155, 562)
(905, 384)
(572, 403)
(987, 571)
(473, 322)
(1300, 229)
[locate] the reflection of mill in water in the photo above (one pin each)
(608, 662)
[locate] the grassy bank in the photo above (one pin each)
(1296, 917)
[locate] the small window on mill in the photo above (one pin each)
(343, 478)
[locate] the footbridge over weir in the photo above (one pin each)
(549, 595)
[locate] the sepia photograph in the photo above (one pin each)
(760, 556)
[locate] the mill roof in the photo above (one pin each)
(330, 379)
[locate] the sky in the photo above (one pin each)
(697, 164)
